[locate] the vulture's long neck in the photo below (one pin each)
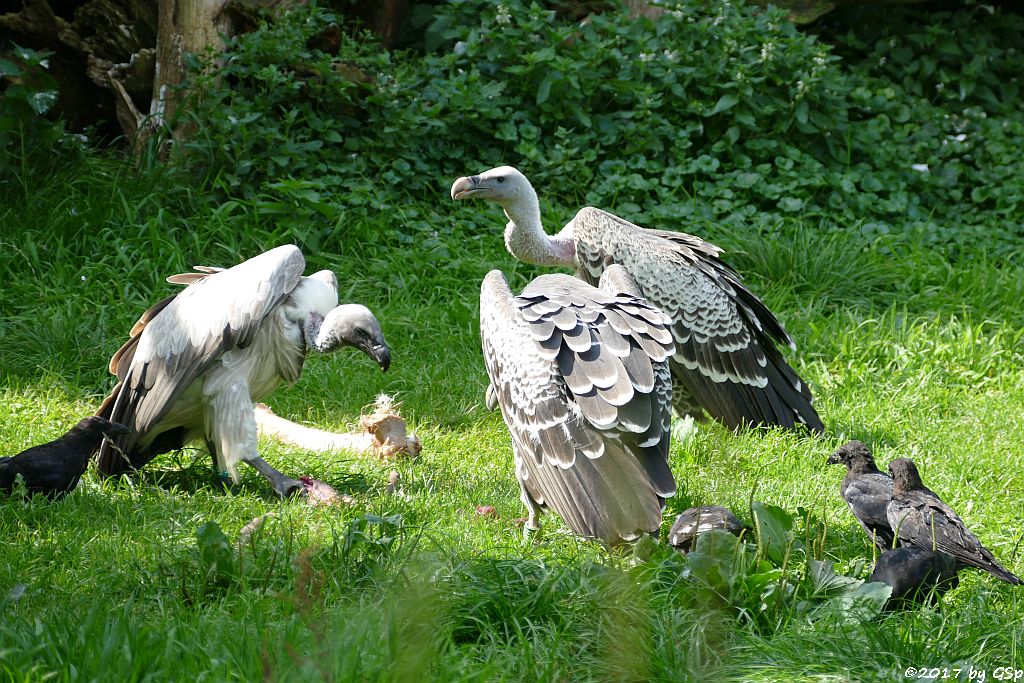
(526, 240)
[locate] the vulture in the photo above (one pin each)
(921, 519)
(915, 575)
(54, 468)
(867, 491)
(726, 361)
(196, 362)
(581, 377)
(696, 521)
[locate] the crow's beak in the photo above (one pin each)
(115, 428)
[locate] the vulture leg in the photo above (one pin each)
(491, 397)
(284, 485)
(231, 428)
(223, 476)
(533, 511)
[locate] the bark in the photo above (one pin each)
(125, 60)
(184, 27)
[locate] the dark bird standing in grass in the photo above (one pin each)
(726, 361)
(197, 361)
(581, 376)
(921, 519)
(54, 468)
(696, 521)
(867, 490)
(915, 575)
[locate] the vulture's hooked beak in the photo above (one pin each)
(382, 354)
(833, 460)
(467, 187)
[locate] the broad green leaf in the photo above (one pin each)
(774, 531)
(725, 102)
(214, 550)
(9, 68)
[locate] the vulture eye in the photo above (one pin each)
(500, 179)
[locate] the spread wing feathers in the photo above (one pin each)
(182, 336)
(582, 380)
(923, 520)
(868, 497)
(726, 357)
(201, 273)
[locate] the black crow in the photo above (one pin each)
(695, 521)
(54, 468)
(915, 575)
(920, 518)
(867, 491)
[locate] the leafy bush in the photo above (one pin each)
(713, 113)
(27, 91)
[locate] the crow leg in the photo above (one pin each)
(284, 486)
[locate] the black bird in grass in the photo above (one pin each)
(867, 490)
(921, 519)
(915, 575)
(695, 521)
(54, 468)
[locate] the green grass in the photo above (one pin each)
(917, 356)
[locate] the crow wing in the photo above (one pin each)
(921, 519)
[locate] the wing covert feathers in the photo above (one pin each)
(726, 359)
(581, 376)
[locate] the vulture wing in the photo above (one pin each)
(582, 380)
(179, 338)
(726, 360)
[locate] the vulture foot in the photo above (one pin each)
(531, 532)
(284, 486)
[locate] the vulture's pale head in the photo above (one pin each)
(348, 325)
(503, 185)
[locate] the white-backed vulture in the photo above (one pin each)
(197, 361)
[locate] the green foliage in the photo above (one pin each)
(926, 89)
(776, 581)
(27, 91)
(715, 113)
(216, 559)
